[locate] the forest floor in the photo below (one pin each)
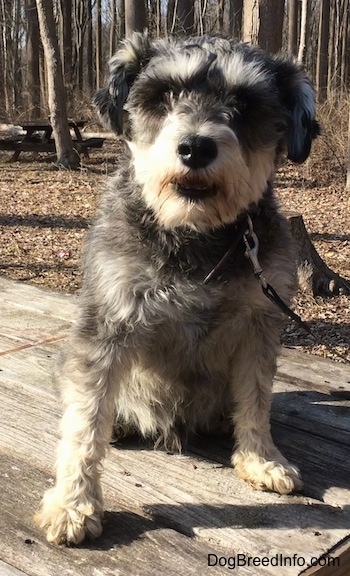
(44, 214)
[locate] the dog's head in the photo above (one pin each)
(205, 120)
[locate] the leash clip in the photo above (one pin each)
(251, 242)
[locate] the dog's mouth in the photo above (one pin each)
(195, 190)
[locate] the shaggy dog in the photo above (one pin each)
(174, 331)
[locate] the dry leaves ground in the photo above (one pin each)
(44, 214)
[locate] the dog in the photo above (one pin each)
(174, 333)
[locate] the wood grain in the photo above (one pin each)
(165, 513)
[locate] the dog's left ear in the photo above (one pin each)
(298, 97)
(124, 67)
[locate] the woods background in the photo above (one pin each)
(316, 32)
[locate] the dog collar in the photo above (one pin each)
(240, 228)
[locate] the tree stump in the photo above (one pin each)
(313, 272)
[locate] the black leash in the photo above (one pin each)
(252, 246)
(272, 295)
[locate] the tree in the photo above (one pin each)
(236, 16)
(113, 28)
(155, 18)
(65, 8)
(313, 272)
(89, 48)
(347, 186)
(303, 31)
(135, 16)
(121, 18)
(3, 111)
(292, 26)
(322, 51)
(181, 17)
(66, 155)
(220, 15)
(33, 60)
(263, 23)
(98, 44)
(170, 16)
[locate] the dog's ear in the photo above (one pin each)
(298, 97)
(124, 67)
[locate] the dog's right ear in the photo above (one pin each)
(124, 67)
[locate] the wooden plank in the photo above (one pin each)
(165, 513)
(131, 544)
(192, 496)
(336, 563)
(39, 301)
(309, 370)
(28, 146)
(7, 570)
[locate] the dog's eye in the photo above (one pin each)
(160, 99)
(281, 127)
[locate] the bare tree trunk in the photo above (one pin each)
(3, 112)
(66, 155)
(66, 41)
(322, 52)
(337, 48)
(313, 272)
(184, 17)
(331, 51)
(293, 26)
(135, 16)
(6, 51)
(220, 16)
(345, 50)
(121, 18)
(81, 21)
(263, 23)
(347, 186)
(17, 77)
(89, 49)
(43, 78)
(236, 18)
(98, 45)
(303, 30)
(33, 62)
(113, 28)
(170, 16)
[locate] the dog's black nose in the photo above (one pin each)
(197, 151)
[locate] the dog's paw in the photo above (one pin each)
(275, 474)
(69, 524)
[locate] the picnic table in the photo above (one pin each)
(37, 137)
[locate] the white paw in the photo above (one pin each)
(69, 524)
(275, 474)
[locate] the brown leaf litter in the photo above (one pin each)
(44, 214)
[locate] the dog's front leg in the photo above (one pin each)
(73, 508)
(256, 459)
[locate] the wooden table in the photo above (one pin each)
(167, 514)
(37, 137)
